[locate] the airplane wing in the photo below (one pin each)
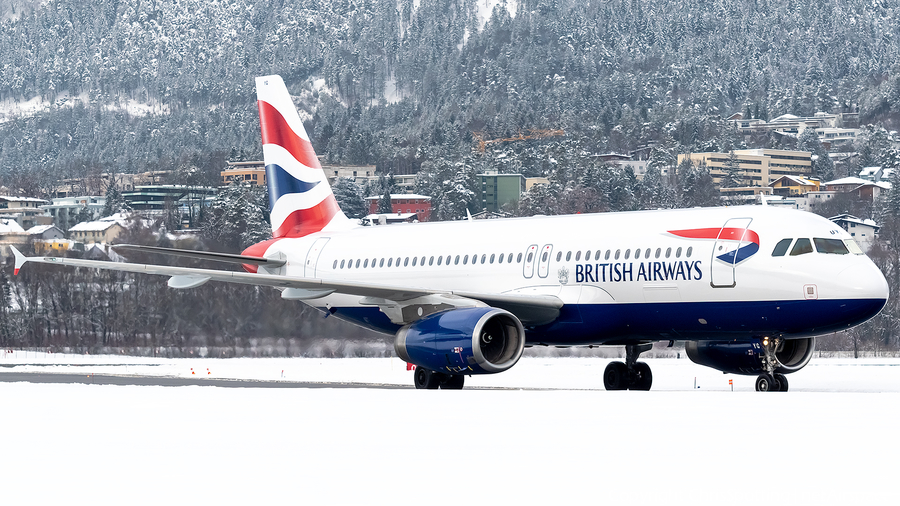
(531, 309)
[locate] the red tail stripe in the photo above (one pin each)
(275, 130)
(303, 222)
(728, 234)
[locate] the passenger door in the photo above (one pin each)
(725, 252)
(544, 262)
(528, 264)
(312, 258)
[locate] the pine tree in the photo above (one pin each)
(732, 177)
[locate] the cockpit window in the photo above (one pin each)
(781, 248)
(831, 246)
(853, 247)
(801, 247)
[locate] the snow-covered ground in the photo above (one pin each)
(830, 440)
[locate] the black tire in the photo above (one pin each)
(765, 383)
(643, 378)
(427, 379)
(615, 377)
(453, 382)
(782, 381)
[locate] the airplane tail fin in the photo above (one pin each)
(300, 199)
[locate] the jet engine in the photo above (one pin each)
(746, 357)
(476, 340)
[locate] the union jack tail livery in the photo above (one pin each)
(300, 198)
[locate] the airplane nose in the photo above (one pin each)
(864, 281)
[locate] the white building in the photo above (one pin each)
(864, 232)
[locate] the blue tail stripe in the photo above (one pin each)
(280, 182)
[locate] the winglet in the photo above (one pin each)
(468, 215)
(20, 259)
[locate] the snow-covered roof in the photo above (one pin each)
(853, 219)
(800, 180)
(22, 199)
(848, 180)
(868, 171)
(10, 227)
(785, 117)
(39, 229)
(92, 226)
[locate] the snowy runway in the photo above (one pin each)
(830, 440)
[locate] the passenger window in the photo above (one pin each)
(456, 262)
(647, 253)
(627, 254)
(492, 258)
(831, 246)
(577, 256)
(414, 261)
(801, 247)
(519, 258)
(440, 259)
(483, 258)
(530, 256)
(465, 259)
(678, 253)
(668, 252)
(509, 258)
(500, 258)
(587, 256)
(637, 254)
(448, 260)
(406, 261)
(607, 255)
(658, 252)
(782, 247)
(366, 263)
(689, 251)
(398, 261)
(335, 265)
(568, 256)
(431, 261)
(342, 264)
(357, 263)
(381, 263)
(617, 253)
(390, 261)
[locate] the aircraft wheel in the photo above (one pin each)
(643, 378)
(615, 377)
(453, 382)
(765, 383)
(426, 379)
(782, 381)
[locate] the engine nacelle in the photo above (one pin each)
(475, 340)
(746, 357)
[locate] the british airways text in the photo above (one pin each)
(645, 271)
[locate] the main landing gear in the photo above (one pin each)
(432, 380)
(631, 374)
(771, 381)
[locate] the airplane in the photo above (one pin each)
(747, 288)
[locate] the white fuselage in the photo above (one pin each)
(620, 275)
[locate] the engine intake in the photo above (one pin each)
(477, 340)
(746, 357)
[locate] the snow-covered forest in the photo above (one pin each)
(412, 86)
